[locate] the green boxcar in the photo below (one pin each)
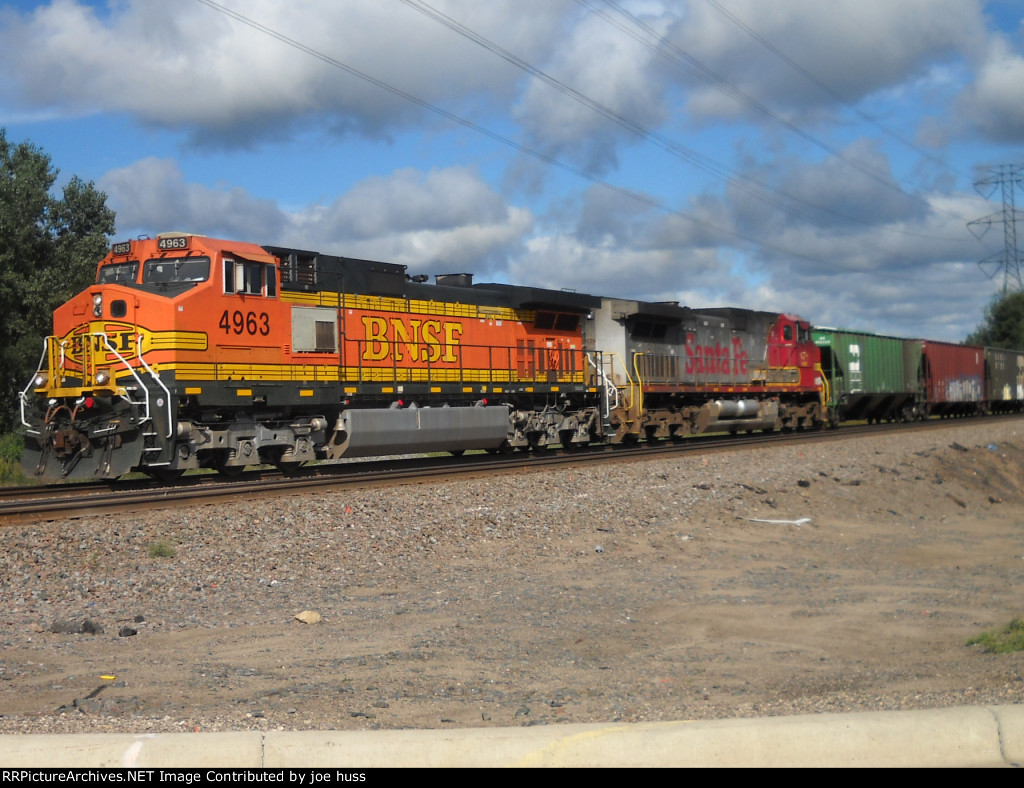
(870, 377)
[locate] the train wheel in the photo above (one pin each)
(165, 474)
(227, 471)
(457, 452)
(273, 456)
(565, 436)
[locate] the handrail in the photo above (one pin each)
(610, 389)
(24, 394)
(91, 344)
(826, 388)
(153, 374)
(625, 373)
(639, 385)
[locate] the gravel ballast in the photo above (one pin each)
(829, 577)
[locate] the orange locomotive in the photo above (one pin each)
(191, 351)
(195, 352)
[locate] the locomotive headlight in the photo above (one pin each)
(97, 305)
(103, 377)
(40, 380)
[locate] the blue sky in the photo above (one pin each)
(793, 154)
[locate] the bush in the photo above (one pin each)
(1002, 641)
(161, 550)
(11, 446)
(10, 460)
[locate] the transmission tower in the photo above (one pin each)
(1004, 177)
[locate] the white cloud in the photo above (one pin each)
(613, 72)
(186, 66)
(446, 219)
(855, 47)
(183, 67)
(994, 103)
(449, 220)
(907, 271)
(152, 195)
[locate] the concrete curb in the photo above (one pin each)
(958, 737)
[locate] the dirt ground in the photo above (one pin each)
(626, 593)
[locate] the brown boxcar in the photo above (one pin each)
(952, 377)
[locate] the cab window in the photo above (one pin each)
(245, 277)
(173, 270)
(118, 273)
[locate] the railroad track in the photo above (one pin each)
(21, 505)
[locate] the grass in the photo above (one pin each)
(11, 473)
(162, 549)
(1001, 641)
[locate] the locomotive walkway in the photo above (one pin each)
(971, 736)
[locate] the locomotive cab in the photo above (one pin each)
(114, 375)
(792, 356)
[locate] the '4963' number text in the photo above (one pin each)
(245, 322)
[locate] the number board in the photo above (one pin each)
(125, 247)
(172, 242)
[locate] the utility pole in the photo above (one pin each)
(1004, 177)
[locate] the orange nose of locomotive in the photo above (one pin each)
(75, 409)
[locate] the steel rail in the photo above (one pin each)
(23, 505)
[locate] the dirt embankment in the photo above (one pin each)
(658, 590)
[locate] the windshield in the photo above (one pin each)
(118, 273)
(165, 270)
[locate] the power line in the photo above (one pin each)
(827, 89)
(693, 65)
(755, 188)
(550, 160)
(547, 159)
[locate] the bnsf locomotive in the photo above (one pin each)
(192, 352)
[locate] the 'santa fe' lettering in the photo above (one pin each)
(428, 341)
(717, 359)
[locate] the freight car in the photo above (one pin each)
(875, 378)
(871, 377)
(1004, 380)
(193, 352)
(952, 378)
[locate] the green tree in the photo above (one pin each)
(1004, 323)
(49, 247)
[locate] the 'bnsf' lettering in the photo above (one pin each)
(428, 341)
(717, 359)
(123, 342)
